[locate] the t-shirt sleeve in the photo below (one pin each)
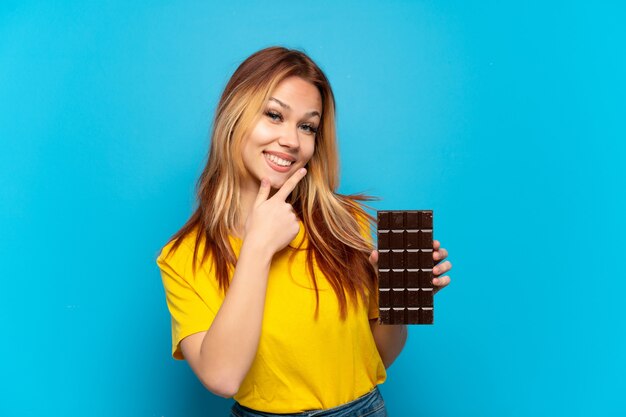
(373, 308)
(192, 299)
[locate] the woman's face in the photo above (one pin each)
(283, 140)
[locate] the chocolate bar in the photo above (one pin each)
(405, 267)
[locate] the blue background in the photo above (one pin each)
(506, 119)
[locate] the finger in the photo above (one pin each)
(440, 255)
(439, 283)
(436, 244)
(374, 258)
(264, 192)
(290, 184)
(441, 268)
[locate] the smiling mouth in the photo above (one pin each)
(277, 160)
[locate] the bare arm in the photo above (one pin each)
(222, 356)
(390, 340)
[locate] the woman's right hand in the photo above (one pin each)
(273, 223)
(222, 356)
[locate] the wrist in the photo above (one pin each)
(260, 249)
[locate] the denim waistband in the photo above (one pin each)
(365, 405)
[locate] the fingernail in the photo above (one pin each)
(263, 182)
(302, 170)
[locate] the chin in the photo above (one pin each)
(274, 183)
(277, 179)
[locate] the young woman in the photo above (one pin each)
(271, 284)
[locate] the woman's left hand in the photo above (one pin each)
(439, 254)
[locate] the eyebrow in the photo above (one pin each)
(311, 113)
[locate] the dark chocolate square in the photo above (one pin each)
(405, 266)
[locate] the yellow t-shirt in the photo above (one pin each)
(301, 364)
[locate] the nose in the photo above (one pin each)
(289, 138)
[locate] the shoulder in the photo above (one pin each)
(178, 253)
(175, 248)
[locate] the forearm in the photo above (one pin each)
(390, 340)
(231, 343)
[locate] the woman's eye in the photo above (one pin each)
(310, 129)
(273, 115)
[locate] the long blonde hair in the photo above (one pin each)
(333, 223)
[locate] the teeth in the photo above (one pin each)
(278, 161)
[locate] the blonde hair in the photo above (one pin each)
(334, 224)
